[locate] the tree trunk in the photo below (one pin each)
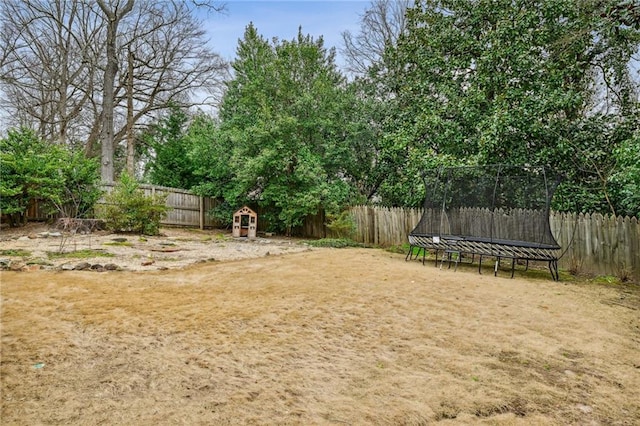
(106, 131)
(111, 69)
(131, 141)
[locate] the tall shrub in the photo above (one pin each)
(34, 170)
(128, 209)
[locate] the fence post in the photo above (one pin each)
(201, 205)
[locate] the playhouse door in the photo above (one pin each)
(244, 225)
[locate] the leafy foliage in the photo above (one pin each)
(342, 225)
(334, 243)
(79, 254)
(210, 156)
(33, 170)
(80, 191)
(15, 252)
(169, 146)
(282, 141)
(513, 82)
(627, 178)
(128, 209)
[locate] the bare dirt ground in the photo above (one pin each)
(317, 336)
(174, 248)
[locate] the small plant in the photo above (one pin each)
(398, 249)
(79, 254)
(221, 237)
(334, 242)
(15, 252)
(607, 279)
(575, 266)
(404, 249)
(128, 209)
(625, 274)
(341, 225)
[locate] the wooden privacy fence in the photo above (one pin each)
(597, 244)
(185, 207)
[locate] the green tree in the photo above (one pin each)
(283, 130)
(29, 172)
(210, 155)
(33, 170)
(519, 82)
(169, 151)
(626, 179)
(80, 191)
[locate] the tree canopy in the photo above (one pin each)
(32, 170)
(442, 82)
(284, 130)
(516, 82)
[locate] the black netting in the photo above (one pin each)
(503, 204)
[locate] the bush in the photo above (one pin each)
(127, 209)
(342, 225)
(80, 191)
(34, 170)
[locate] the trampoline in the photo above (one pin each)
(501, 212)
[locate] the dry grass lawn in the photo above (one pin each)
(326, 337)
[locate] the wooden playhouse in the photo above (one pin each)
(245, 223)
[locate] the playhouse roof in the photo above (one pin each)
(245, 210)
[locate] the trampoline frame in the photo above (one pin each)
(484, 246)
(498, 249)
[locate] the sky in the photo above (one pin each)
(281, 19)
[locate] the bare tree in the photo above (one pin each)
(170, 64)
(114, 14)
(46, 64)
(380, 25)
(65, 67)
(131, 138)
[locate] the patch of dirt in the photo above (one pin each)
(38, 246)
(324, 337)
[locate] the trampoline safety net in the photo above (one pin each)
(501, 211)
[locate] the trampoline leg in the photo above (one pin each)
(553, 268)
(527, 266)
(409, 255)
(445, 255)
(480, 265)
(449, 255)
(495, 268)
(513, 266)
(424, 254)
